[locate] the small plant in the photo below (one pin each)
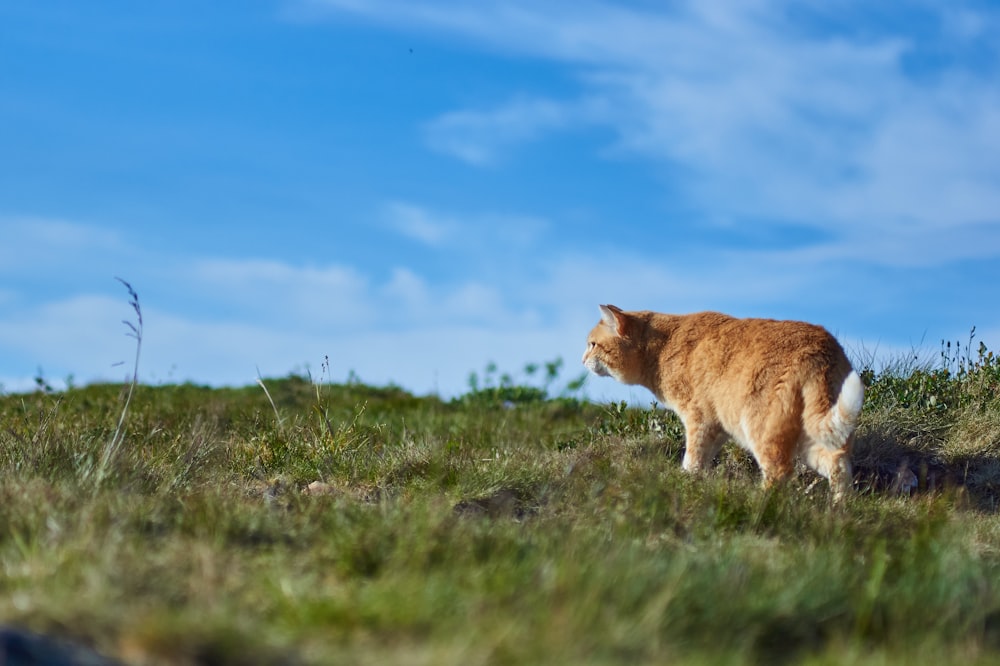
(135, 331)
(960, 379)
(503, 389)
(492, 389)
(621, 420)
(41, 384)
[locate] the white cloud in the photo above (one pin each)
(267, 273)
(52, 232)
(478, 302)
(265, 288)
(758, 113)
(408, 288)
(485, 232)
(40, 244)
(965, 24)
(81, 335)
(411, 302)
(574, 285)
(482, 137)
(418, 224)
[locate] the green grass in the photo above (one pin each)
(500, 528)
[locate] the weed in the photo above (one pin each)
(502, 389)
(118, 436)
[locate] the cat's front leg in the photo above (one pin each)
(703, 441)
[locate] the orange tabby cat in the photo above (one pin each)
(784, 390)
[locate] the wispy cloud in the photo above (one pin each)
(418, 224)
(481, 138)
(31, 241)
(266, 288)
(437, 229)
(409, 301)
(81, 334)
(828, 117)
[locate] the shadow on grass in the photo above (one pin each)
(908, 461)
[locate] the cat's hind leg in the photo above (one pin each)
(834, 464)
(773, 445)
(830, 433)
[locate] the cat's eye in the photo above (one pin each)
(591, 344)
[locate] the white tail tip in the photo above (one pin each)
(852, 395)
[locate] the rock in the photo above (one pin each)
(503, 503)
(320, 488)
(19, 647)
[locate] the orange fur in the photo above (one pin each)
(784, 390)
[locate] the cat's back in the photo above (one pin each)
(714, 338)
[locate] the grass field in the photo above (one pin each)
(320, 524)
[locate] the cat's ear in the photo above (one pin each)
(615, 319)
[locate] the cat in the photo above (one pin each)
(783, 390)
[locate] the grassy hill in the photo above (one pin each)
(316, 523)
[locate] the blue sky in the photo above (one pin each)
(414, 189)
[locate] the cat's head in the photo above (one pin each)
(611, 347)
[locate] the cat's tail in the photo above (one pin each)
(843, 416)
(829, 451)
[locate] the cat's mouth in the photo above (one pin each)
(597, 367)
